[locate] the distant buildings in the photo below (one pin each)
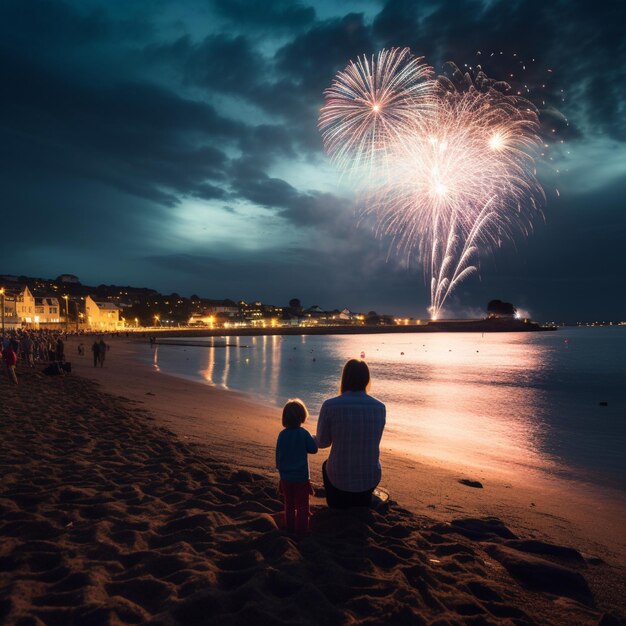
(47, 311)
(64, 303)
(23, 308)
(102, 315)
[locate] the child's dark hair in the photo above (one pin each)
(294, 413)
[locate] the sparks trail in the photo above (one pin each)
(445, 165)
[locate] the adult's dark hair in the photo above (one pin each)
(355, 376)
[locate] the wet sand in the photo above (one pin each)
(129, 496)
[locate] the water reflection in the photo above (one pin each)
(502, 400)
(455, 397)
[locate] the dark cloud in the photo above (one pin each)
(52, 23)
(397, 24)
(301, 208)
(351, 276)
(208, 192)
(570, 266)
(219, 62)
(140, 138)
(275, 15)
(268, 141)
(314, 57)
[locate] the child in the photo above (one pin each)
(293, 445)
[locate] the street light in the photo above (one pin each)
(2, 294)
(67, 313)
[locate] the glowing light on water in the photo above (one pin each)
(444, 165)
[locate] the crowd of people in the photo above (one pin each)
(43, 347)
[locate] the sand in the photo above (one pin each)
(119, 505)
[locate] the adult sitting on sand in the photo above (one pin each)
(352, 424)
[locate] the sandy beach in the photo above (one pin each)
(130, 496)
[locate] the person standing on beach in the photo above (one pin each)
(292, 461)
(10, 358)
(28, 350)
(352, 425)
(60, 350)
(95, 348)
(102, 352)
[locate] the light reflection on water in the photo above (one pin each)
(498, 400)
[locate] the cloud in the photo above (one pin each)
(140, 138)
(52, 23)
(220, 62)
(357, 280)
(314, 57)
(275, 15)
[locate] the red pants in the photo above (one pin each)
(296, 498)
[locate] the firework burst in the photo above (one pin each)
(371, 104)
(455, 167)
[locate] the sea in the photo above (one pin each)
(548, 402)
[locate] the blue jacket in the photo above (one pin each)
(292, 450)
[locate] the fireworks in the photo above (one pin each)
(371, 104)
(455, 161)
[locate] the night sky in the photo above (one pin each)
(173, 144)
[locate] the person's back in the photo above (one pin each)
(10, 356)
(292, 448)
(353, 422)
(352, 426)
(60, 350)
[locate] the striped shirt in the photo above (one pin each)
(353, 425)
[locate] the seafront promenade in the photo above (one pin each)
(444, 326)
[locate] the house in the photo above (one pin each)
(19, 306)
(8, 316)
(345, 315)
(314, 311)
(102, 315)
(25, 306)
(47, 310)
(202, 320)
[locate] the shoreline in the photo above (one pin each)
(221, 420)
(445, 326)
(121, 503)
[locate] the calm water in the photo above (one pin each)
(506, 401)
